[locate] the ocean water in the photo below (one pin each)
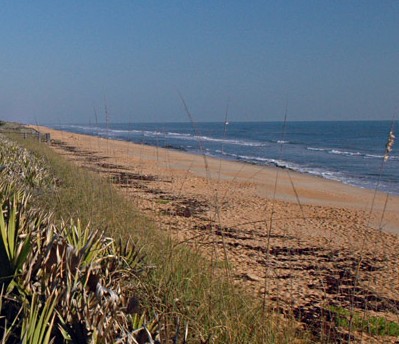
(351, 152)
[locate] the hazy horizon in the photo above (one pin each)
(391, 121)
(64, 62)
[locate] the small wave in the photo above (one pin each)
(338, 152)
(316, 149)
(78, 127)
(242, 157)
(172, 133)
(377, 156)
(341, 152)
(336, 176)
(262, 161)
(232, 142)
(380, 156)
(373, 156)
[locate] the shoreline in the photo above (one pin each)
(291, 185)
(328, 163)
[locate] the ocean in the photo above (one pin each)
(351, 152)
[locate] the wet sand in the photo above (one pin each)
(301, 242)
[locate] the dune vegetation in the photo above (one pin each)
(79, 264)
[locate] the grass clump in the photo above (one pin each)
(163, 201)
(357, 321)
(176, 287)
(62, 282)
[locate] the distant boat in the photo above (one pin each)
(226, 123)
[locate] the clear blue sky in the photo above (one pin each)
(328, 60)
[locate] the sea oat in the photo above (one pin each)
(389, 145)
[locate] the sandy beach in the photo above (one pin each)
(301, 242)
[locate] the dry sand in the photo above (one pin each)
(301, 242)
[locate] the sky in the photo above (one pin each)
(65, 61)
